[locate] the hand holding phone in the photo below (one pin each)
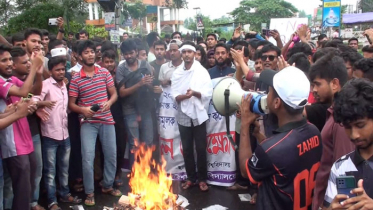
(345, 184)
(52, 21)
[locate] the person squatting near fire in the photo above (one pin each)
(317, 131)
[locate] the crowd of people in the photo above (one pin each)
(67, 104)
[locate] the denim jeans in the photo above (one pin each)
(1, 184)
(56, 152)
(133, 131)
(22, 172)
(88, 135)
(8, 189)
(39, 169)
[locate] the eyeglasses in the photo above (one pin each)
(265, 57)
(98, 50)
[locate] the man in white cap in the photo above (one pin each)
(56, 141)
(191, 87)
(284, 165)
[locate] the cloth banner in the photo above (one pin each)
(221, 163)
(170, 142)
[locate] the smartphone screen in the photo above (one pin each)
(345, 184)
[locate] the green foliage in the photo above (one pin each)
(366, 5)
(96, 31)
(75, 27)
(137, 10)
(302, 14)
(256, 12)
(34, 18)
(22, 14)
(178, 4)
(7, 10)
(190, 23)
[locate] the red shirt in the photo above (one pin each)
(93, 90)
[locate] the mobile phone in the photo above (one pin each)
(52, 21)
(265, 32)
(345, 184)
(95, 107)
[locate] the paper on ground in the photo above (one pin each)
(215, 207)
(182, 199)
(245, 197)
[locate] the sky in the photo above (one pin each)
(217, 8)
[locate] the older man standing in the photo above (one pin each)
(191, 87)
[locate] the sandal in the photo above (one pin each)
(90, 200)
(50, 206)
(203, 186)
(70, 199)
(112, 191)
(188, 184)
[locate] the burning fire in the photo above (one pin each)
(150, 184)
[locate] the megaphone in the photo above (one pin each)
(228, 92)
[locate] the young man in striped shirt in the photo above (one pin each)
(90, 87)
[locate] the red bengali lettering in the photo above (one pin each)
(219, 143)
(167, 146)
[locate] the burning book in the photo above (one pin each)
(151, 186)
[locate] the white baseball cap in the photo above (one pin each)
(291, 85)
(58, 52)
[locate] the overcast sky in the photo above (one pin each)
(216, 9)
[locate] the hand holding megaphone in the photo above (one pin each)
(247, 116)
(258, 104)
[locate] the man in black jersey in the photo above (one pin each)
(285, 165)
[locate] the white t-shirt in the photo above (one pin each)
(165, 73)
(151, 57)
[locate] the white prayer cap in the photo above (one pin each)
(58, 52)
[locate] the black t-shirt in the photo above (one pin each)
(316, 114)
(285, 165)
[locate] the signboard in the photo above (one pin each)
(115, 36)
(109, 21)
(319, 14)
(200, 25)
(331, 13)
(286, 26)
(126, 22)
(152, 14)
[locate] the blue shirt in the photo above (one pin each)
(216, 71)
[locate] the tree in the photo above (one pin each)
(7, 10)
(207, 23)
(366, 5)
(135, 10)
(34, 18)
(177, 4)
(20, 9)
(302, 14)
(256, 12)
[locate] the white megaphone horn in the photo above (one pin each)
(228, 92)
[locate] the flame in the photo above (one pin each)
(150, 184)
